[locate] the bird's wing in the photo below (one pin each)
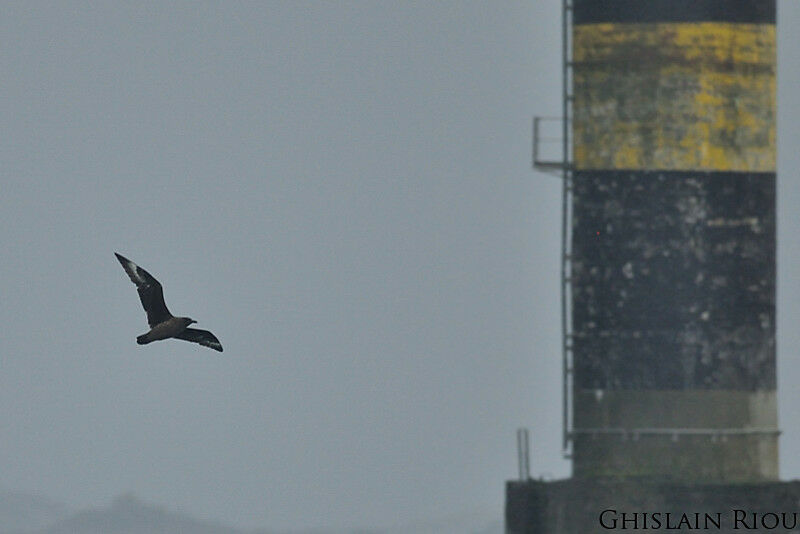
(203, 337)
(150, 291)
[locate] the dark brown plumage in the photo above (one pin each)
(163, 325)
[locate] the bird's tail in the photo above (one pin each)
(143, 339)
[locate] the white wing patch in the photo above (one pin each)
(134, 269)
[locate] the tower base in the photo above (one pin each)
(575, 506)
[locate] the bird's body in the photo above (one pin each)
(163, 325)
(165, 330)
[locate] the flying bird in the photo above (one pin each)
(163, 325)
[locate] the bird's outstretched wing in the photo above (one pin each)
(150, 291)
(203, 337)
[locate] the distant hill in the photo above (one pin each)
(21, 512)
(463, 523)
(128, 515)
(495, 527)
(125, 515)
(28, 514)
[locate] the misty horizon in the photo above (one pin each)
(342, 193)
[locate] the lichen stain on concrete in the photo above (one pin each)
(674, 96)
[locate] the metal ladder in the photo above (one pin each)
(563, 168)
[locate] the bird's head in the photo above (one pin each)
(188, 320)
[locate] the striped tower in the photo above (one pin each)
(673, 239)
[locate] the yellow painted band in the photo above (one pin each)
(674, 96)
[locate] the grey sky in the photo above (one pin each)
(341, 192)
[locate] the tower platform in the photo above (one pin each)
(588, 506)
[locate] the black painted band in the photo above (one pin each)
(643, 11)
(673, 280)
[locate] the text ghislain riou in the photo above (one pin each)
(611, 519)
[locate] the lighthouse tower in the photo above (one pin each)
(668, 266)
(673, 239)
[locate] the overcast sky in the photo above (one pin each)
(342, 193)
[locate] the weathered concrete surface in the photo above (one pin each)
(673, 280)
(687, 458)
(673, 310)
(674, 96)
(691, 409)
(638, 11)
(574, 506)
(719, 435)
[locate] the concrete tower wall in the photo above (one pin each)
(673, 273)
(673, 249)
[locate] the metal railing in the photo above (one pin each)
(523, 454)
(566, 227)
(548, 144)
(543, 160)
(675, 433)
